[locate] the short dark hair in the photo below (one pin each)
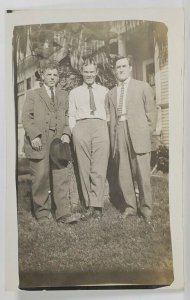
(88, 61)
(50, 64)
(128, 57)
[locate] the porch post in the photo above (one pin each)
(122, 45)
(158, 91)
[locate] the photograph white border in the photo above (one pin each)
(176, 56)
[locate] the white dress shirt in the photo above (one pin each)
(79, 103)
(123, 117)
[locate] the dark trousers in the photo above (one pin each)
(133, 167)
(41, 187)
(91, 143)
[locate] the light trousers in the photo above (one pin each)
(133, 167)
(91, 144)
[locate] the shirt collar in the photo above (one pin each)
(48, 88)
(125, 82)
(93, 85)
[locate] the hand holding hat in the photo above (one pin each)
(60, 153)
(65, 138)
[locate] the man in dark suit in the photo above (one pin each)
(44, 119)
(131, 110)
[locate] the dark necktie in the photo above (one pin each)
(120, 106)
(92, 103)
(52, 94)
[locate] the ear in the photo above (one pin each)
(130, 69)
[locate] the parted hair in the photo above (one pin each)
(50, 64)
(128, 57)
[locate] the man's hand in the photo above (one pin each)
(37, 144)
(65, 138)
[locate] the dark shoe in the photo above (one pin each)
(74, 218)
(88, 214)
(43, 221)
(62, 220)
(69, 219)
(128, 213)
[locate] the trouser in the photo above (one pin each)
(133, 167)
(41, 188)
(61, 180)
(91, 144)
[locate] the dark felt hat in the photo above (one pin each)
(60, 153)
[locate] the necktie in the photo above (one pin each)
(92, 103)
(52, 93)
(120, 106)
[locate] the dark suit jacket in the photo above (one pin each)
(36, 119)
(141, 115)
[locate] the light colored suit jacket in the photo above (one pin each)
(36, 119)
(141, 115)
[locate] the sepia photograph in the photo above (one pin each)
(92, 107)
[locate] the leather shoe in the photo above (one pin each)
(88, 214)
(127, 213)
(74, 218)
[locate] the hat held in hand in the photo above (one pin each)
(60, 153)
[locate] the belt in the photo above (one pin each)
(89, 119)
(122, 118)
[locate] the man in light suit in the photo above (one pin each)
(132, 120)
(44, 119)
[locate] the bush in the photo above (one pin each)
(160, 159)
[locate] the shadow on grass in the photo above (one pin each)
(110, 251)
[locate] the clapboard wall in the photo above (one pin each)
(164, 103)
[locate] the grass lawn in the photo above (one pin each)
(108, 251)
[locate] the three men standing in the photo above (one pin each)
(131, 110)
(87, 120)
(132, 121)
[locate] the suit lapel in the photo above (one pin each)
(114, 97)
(130, 91)
(58, 97)
(44, 96)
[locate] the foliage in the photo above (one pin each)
(82, 40)
(160, 161)
(163, 159)
(160, 31)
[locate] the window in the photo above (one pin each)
(21, 87)
(150, 74)
(20, 102)
(149, 71)
(28, 83)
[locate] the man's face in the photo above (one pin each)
(89, 74)
(122, 69)
(51, 77)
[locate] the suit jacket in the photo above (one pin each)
(141, 115)
(36, 119)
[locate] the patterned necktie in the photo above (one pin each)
(52, 94)
(92, 103)
(120, 106)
